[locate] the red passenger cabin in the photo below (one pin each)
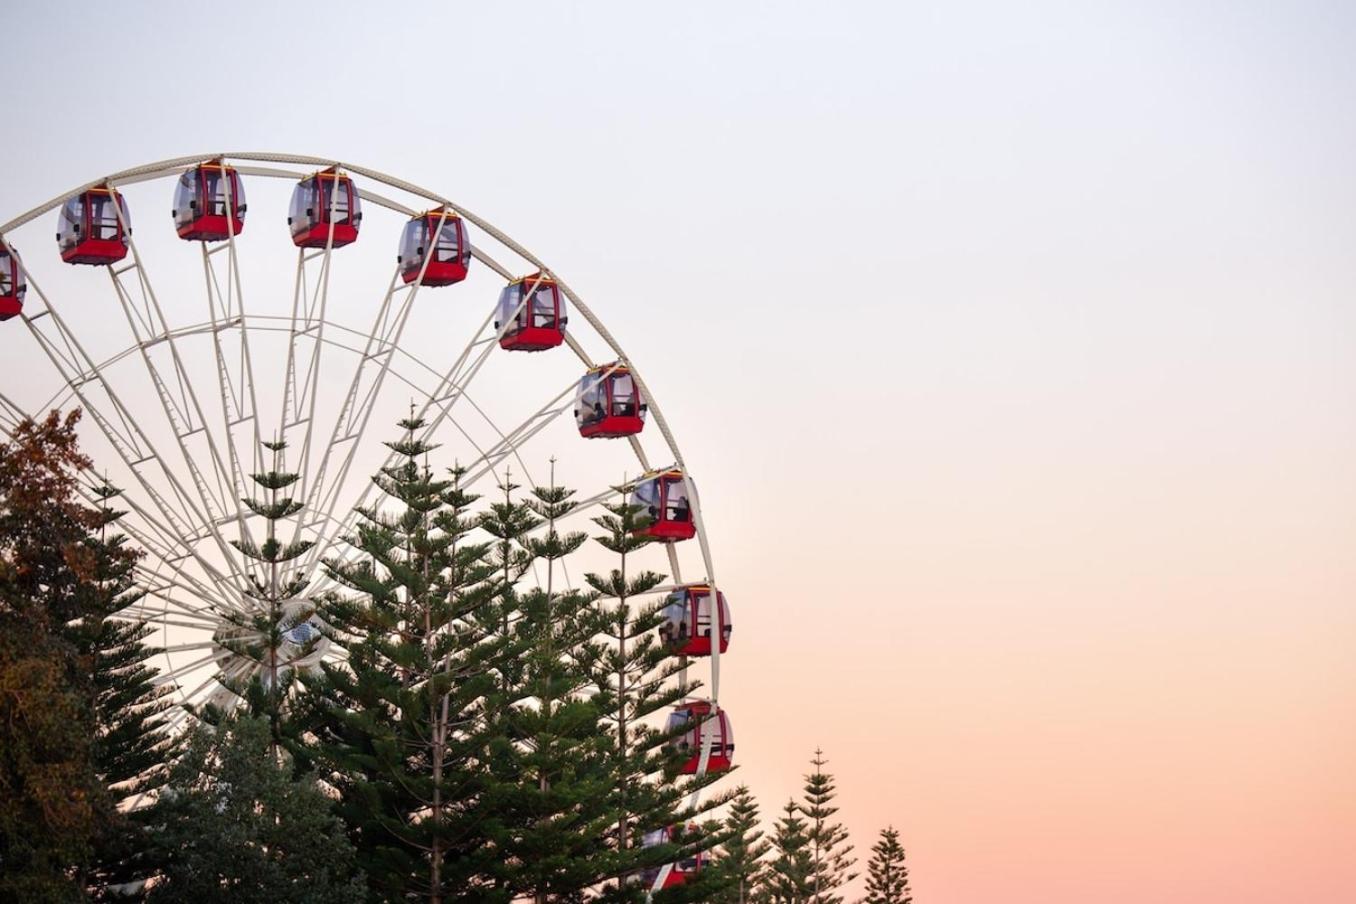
(449, 255)
(93, 227)
(201, 201)
(323, 205)
(697, 717)
(534, 310)
(663, 498)
(12, 284)
(686, 630)
(682, 871)
(609, 403)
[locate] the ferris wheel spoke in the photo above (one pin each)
(301, 378)
(355, 413)
(178, 398)
(218, 653)
(235, 376)
(117, 425)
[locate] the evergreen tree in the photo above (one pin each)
(275, 631)
(233, 825)
(130, 744)
(399, 729)
(740, 858)
(829, 849)
(887, 876)
(84, 724)
(789, 877)
(549, 756)
(635, 680)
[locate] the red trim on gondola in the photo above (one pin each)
(722, 745)
(613, 427)
(680, 638)
(526, 333)
(310, 223)
(200, 222)
(682, 871)
(87, 242)
(449, 265)
(669, 526)
(12, 285)
(611, 417)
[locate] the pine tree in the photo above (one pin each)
(635, 679)
(233, 824)
(887, 878)
(131, 743)
(270, 631)
(83, 726)
(789, 877)
(399, 728)
(829, 849)
(741, 856)
(549, 757)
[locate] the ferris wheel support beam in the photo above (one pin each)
(10, 417)
(356, 411)
(181, 416)
(133, 446)
(239, 404)
(299, 404)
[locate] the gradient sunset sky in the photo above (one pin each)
(1012, 346)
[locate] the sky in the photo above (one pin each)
(1011, 345)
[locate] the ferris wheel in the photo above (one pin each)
(203, 352)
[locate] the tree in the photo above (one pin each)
(131, 744)
(829, 848)
(268, 631)
(740, 858)
(398, 730)
(549, 762)
(83, 727)
(789, 877)
(887, 878)
(636, 678)
(233, 824)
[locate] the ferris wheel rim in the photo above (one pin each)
(172, 166)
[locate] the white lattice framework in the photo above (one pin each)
(183, 436)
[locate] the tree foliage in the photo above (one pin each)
(233, 824)
(887, 876)
(81, 724)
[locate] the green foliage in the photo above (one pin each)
(260, 633)
(234, 825)
(740, 859)
(81, 725)
(829, 848)
(399, 730)
(887, 876)
(789, 877)
(636, 679)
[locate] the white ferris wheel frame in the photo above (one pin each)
(184, 516)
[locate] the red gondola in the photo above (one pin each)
(201, 199)
(451, 253)
(323, 204)
(696, 715)
(609, 403)
(684, 870)
(12, 284)
(540, 323)
(691, 605)
(93, 227)
(663, 497)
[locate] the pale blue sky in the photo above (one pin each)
(1041, 316)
